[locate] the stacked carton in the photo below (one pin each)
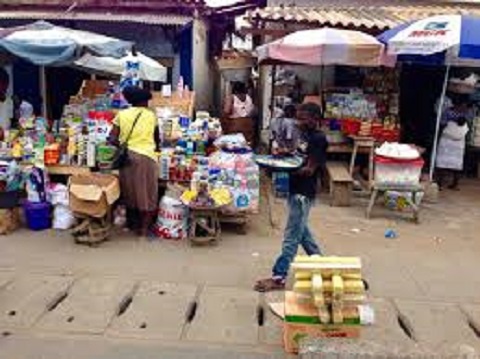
(326, 301)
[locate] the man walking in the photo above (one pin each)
(312, 144)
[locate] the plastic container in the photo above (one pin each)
(351, 127)
(38, 215)
(395, 172)
(51, 156)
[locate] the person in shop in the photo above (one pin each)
(6, 103)
(455, 107)
(312, 144)
(139, 177)
(11, 108)
(451, 152)
(284, 130)
(239, 104)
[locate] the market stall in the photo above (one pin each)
(198, 168)
(444, 40)
(355, 116)
(206, 176)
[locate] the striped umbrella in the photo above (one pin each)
(45, 44)
(324, 46)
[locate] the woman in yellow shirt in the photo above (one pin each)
(139, 177)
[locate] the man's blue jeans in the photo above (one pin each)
(296, 234)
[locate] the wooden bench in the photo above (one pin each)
(341, 184)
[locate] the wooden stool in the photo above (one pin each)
(206, 219)
(363, 142)
(378, 189)
(91, 230)
(341, 184)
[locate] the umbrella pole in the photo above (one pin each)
(272, 91)
(43, 90)
(437, 125)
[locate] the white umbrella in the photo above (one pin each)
(150, 70)
(45, 44)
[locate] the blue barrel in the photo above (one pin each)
(38, 215)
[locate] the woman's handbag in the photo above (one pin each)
(120, 158)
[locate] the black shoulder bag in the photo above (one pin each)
(120, 158)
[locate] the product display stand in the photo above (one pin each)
(380, 189)
(206, 220)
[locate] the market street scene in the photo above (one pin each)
(239, 178)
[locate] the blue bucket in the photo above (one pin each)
(38, 215)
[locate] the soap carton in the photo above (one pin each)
(302, 321)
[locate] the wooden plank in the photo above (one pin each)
(338, 172)
(345, 148)
(66, 170)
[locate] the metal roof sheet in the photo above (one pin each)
(370, 17)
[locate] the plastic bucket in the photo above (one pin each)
(38, 215)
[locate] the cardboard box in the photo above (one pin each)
(9, 220)
(302, 321)
(93, 194)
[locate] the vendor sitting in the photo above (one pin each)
(139, 177)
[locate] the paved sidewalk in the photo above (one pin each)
(172, 299)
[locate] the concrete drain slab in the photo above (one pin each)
(26, 298)
(89, 307)
(437, 325)
(5, 278)
(472, 312)
(271, 332)
(386, 329)
(225, 315)
(157, 311)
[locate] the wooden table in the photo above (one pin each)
(414, 190)
(343, 148)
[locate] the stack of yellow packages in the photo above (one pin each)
(327, 300)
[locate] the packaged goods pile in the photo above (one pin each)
(328, 300)
(360, 114)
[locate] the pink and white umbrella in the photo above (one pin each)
(325, 46)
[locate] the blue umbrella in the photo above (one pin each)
(450, 40)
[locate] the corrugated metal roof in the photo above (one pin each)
(369, 17)
(151, 19)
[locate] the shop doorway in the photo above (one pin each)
(62, 83)
(420, 88)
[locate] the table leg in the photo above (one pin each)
(370, 167)
(373, 199)
(354, 157)
(415, 208)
